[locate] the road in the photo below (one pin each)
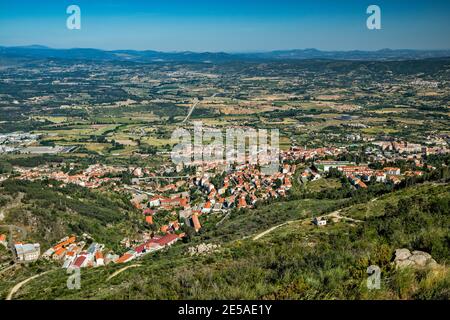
(21, 284)
(139, 191)
(335, 215)
(122, 270)
(262, 234)
(196, 102)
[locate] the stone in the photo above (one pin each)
(427, 255)
(402, 254)
(404, 263)
(419, 260)
(416, 259)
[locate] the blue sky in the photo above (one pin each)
(227, 25)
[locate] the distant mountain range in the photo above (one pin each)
(42, 52)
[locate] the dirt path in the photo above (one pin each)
(335, 215)
(262, 234)
(21, 284)
(122, 270)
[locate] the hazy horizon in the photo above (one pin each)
(226, 52)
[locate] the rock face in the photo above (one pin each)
(416, 259)
(203, 248)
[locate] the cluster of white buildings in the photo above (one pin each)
(73, 255)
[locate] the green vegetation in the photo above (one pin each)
(50, 211)
(297, 261)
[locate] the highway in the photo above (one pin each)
(196, 102)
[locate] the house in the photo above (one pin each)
(3, 240)
(126, 257)
(155, 201)
(173, 202)
(318, 221)
(394, 179)
(360, 184)
(140, 250)
(28, 252)
(149, 219)
(70, 257)
(242, 202)
(65, 242)
(392, 171)
(196, 222)
(327, 165)
(59, 254)
(99, 260)
(380, 177)
(47, 254)
(166, 240)
(207, 207)
(80, 262)
(152, 246)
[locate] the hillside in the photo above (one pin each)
(294, 261)
(49, 211)
(42, 52)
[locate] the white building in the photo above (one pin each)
(319, 221)
(28, 252)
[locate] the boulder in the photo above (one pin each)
(404, 263)
(416, 259)
(419, 260)
(402, 254)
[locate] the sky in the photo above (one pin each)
(227, 25)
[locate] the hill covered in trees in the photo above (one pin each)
(294, 261)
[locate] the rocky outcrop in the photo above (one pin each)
(416, 259)
(203, 248)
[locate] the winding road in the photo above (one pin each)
(20, 284)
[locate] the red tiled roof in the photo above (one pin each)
(64, 243)
(196, 222)
(79, 261)
(124, 258)
(165, 240)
